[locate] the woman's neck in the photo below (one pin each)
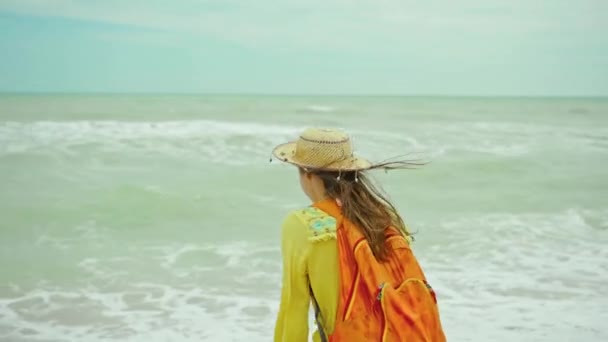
(318, 198)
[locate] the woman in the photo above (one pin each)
(323, 261)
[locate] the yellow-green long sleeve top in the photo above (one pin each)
(309, 251)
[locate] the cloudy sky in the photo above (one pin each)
(464, 47)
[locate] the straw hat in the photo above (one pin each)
(322, 149)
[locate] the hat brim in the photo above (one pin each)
(287, 153)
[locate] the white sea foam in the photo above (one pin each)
(223, 142)
(522, 277)
(142, 231)
(515, 275)
(320, 109)
(137, 314)
(196, 308)
(244, 143)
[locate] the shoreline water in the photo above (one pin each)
(119, 213)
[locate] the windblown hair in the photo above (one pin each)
(364, 204)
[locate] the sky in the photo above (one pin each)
(393, 47)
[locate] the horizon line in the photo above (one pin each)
(235, 94)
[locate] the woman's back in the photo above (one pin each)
(308, 244)
(344, 247)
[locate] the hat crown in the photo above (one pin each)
(320, 147)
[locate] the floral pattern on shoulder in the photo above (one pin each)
(321, 226)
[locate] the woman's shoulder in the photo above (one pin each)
(318, 224)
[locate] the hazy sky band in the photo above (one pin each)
(549, 47)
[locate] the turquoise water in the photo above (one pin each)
(156, 218)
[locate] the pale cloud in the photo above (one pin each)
(143, 37)
(336, 24)
(464, 46)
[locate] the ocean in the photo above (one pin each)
(157, 217)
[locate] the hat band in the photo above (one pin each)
(320, 164)
(345, 140)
